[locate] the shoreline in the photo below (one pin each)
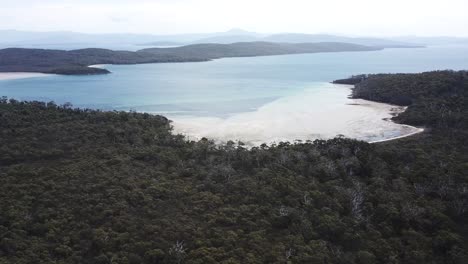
(98, 66)
(360, 119)
(4, 76)
(419, 130)
(397, 110)
(61, 62)
(393, 112)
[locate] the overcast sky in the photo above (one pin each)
(346, 17)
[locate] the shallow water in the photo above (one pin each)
(259, 99)
(321, 111)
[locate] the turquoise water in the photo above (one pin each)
(227, 87)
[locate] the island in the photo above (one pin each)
(89, 186)
(76, 62)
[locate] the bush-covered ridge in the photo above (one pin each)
(435, 99)
(84, 186)
(76, 62)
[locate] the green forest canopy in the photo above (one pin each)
(76, 62)
(85, 186)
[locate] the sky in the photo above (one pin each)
(345, 17)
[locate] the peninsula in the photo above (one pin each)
(76, 62)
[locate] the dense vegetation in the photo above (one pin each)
(77, 61)
(436, 99)
(84, 186)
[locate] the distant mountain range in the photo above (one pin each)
(305, 38)
(433, 40)
(72, 40)
(76, 62)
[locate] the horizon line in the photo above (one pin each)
(233, 30)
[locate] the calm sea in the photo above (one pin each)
(222, 92)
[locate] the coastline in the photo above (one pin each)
(294, 118)
(73, 62)
(419, 130)
(405, 131)
(4, 76)
(398, 131)
(98, 66)
(395, 111)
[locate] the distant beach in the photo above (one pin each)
(98, 66)
(20, 75)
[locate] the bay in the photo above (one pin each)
(255, 99)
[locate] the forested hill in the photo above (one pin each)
(84, 186)
(249, 49)
(77, 61)
(435, 99)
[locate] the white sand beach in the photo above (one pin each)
(20, 75)
(303, 116)
(415, 130)
(99, 66)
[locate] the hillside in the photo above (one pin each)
(250, 49)
(312, 38)
(435, 99)
(85, 186)
(77, 61)
(305, 38)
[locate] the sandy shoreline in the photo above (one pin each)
(397, 110)
(21, 75)
(302, 116)
(289, 112)
(98, 66)
(418, 130)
